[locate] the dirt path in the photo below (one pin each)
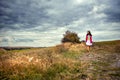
(107, 64)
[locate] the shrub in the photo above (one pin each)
(70, 37)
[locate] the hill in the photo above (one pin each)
(62, 62)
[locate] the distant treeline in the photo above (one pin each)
(18, 48)
(15, 48)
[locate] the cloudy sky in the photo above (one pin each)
(41, 23)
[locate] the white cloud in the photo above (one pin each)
(83, 2)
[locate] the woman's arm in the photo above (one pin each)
(91, 39)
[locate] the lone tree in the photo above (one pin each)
(70, 37)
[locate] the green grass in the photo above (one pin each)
(115, 42)
(55, 70)
(71, 54)
(2, 51)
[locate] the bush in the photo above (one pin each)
(70, 37)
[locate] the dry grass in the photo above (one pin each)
(63, 62)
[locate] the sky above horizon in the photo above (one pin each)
(42, 23)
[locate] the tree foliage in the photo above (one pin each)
(70, 37)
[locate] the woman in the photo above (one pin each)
(88, 40)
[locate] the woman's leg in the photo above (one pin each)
(89, 48)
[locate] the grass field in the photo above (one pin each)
(62, 62)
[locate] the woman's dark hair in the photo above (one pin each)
(89, 33)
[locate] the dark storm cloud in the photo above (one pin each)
(31, 13)
(20, 12)
(113, 12)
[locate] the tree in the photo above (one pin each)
(70, 37)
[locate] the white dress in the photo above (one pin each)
(88, 41)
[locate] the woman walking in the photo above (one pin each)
(88, 40)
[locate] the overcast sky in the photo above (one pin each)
(41, 23)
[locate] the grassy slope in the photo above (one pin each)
(58, 63)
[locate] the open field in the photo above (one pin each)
(62, 62)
